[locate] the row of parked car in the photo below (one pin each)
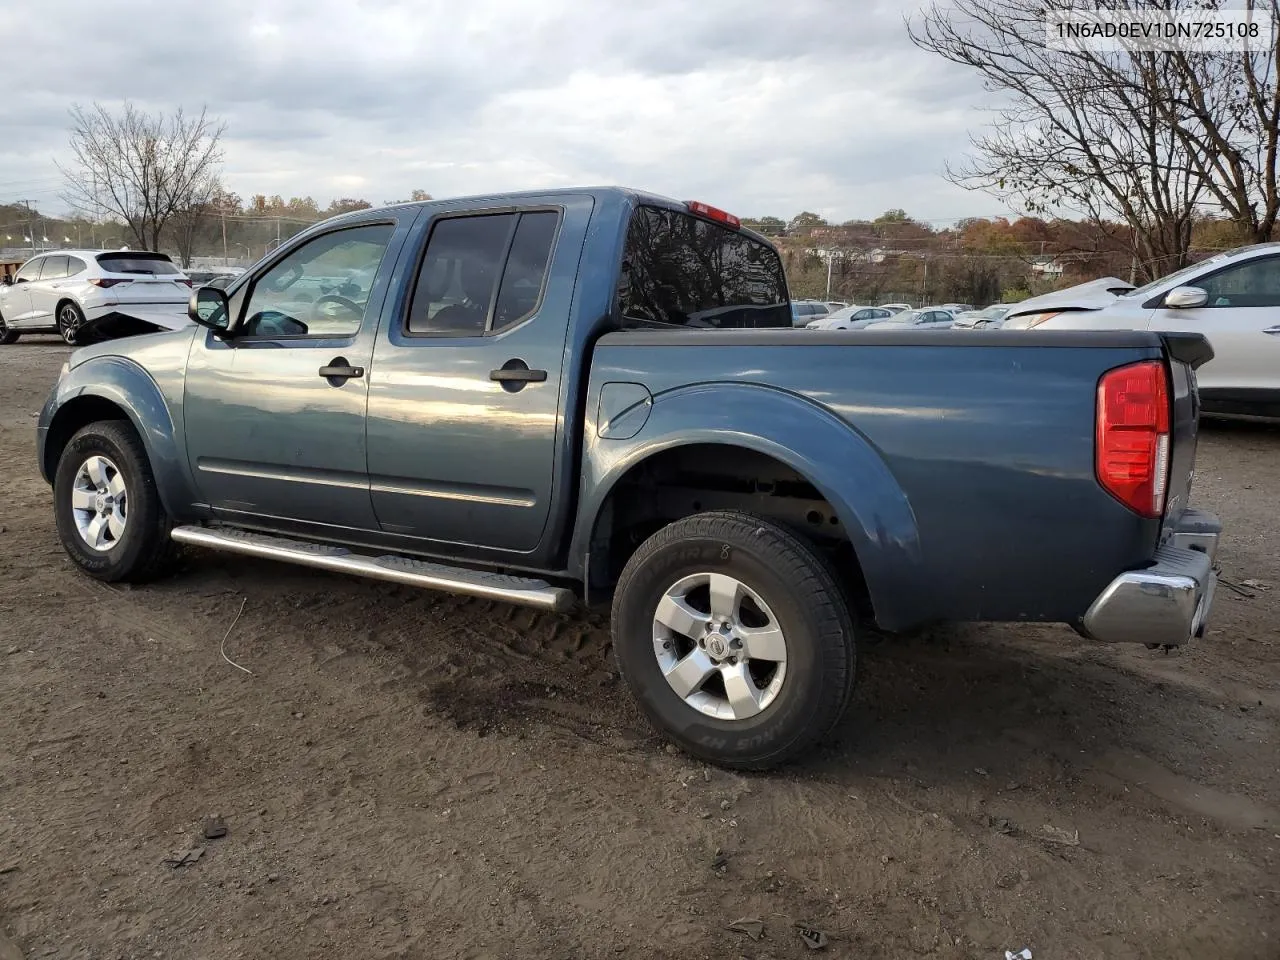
(822, 315)
(1231, 298)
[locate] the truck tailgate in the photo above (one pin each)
(1185, 354)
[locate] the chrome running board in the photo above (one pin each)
(416, 573)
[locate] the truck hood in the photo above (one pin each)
(175, 342)
(1092, 295)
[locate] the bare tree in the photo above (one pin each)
(145, 169)
(1081, 129)
(1227, 112)
(197, 223)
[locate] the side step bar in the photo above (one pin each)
(416, 573)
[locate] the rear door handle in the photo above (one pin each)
(518, 375)
(339, 369)
(1274, 331)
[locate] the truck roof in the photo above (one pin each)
(625, 194)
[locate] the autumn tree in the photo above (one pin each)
(144, 169)
(768, 226)
(804, 222)
(346, 205)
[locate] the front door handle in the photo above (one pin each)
(518, 375)
(1274, 331)
(340, 370)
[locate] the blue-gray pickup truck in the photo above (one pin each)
(594, 393)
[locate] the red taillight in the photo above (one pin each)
(1133, 436)
(105, 282)
(697, 208)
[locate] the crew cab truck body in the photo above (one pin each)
(540, 397)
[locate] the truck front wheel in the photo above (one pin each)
(735, 638)
(109, 515)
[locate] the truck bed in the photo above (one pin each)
(982, 437)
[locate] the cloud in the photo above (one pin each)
(759, 107)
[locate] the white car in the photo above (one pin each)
(1233, 299)
(926, 318)
(85, 295)
(895, 307)
(850, 318)
(987, 319)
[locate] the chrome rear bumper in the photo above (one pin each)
(1167, 603)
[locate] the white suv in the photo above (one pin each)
(84, 295)
(1232, 298)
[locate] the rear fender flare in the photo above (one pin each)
(840, 462)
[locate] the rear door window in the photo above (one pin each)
(681, 270)
(482, 273)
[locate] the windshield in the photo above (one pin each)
(685, 271)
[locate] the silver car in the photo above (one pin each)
(86, 295)
(850, 318)
(1233, 299)
(989, 319)
(927, 318)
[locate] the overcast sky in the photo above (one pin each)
(758, 106)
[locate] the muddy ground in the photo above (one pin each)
(408, 774)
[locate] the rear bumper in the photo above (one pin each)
(1169, 602)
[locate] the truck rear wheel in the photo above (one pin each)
(109, 515)
(735, 638)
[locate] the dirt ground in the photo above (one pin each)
(408, 774)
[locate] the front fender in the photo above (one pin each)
(83, 394)
(808, 438)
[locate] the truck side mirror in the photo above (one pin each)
(208, 308)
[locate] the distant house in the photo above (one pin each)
(1048, 268)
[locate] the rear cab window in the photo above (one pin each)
(682, 270)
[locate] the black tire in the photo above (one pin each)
(70, 323)
(7, 336)
(144, 549)
(799, 587)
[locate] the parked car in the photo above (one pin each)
(957, 308)
(802, 311)
(214, 278)
(1233, 299)
(836, 305)
(851, 318)
(87, 295)
(895, 307)
(989, 318)
(926, 318)
(522, 407)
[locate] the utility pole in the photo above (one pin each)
(31, 227)
(830, 259)
(224, 238)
